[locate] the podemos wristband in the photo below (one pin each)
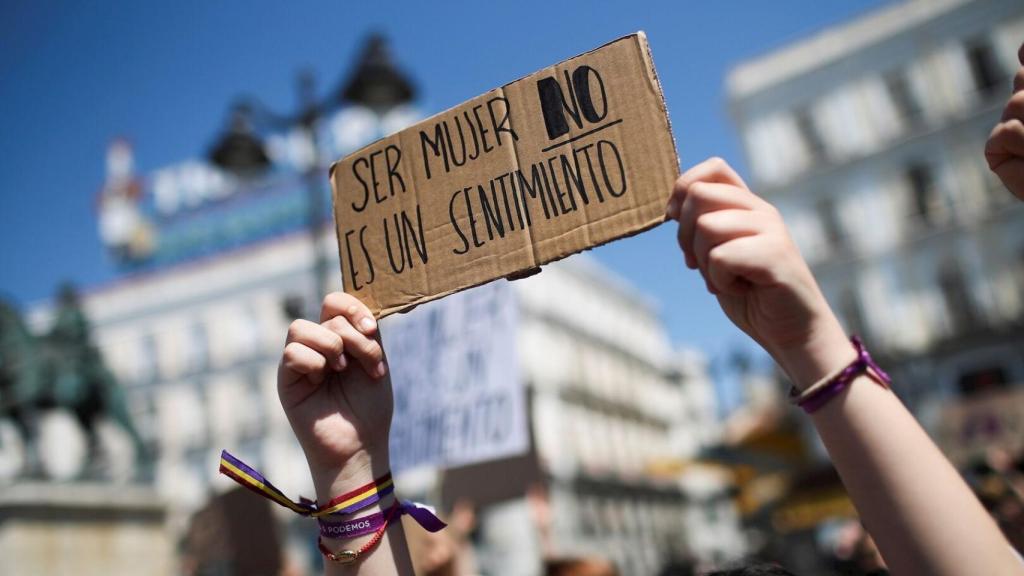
(353, 528)
(350, 556)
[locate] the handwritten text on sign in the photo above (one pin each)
(562, 160)
(458, 396)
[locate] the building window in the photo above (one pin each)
(588, 515)
(983, 380)
(922, 189)
(903, 97)
(197, 349)
(252, 423)
(709, 510)
(142, 407)
(292, 305)
(810, 134)
(985, 69)
(1020, 268)
(250, 337)
(956, 295)
(831, 228)
(149, 359)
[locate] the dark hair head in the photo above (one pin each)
(678, 568)
(579, 567)
(752, 570)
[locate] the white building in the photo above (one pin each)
(869, 137)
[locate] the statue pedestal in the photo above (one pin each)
(83, 529)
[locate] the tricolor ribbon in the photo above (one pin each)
(347, 503)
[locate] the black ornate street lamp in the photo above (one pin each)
(375, 83)
(239, 150)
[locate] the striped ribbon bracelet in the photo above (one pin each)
(347, 503)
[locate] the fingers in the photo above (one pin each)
(320, 340)
(348, 317)
(711, 170)
(363, 349)
(1004, 150)
(1005, 143)
(713, 229)
(718, 216)
(732, 267)
(312, 349)
(301, 360)
(357, 314)
(1011, 173)
(1014, 107)
(704, 197)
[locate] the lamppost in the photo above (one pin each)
(375, 83)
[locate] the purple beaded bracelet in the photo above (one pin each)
(824, 390)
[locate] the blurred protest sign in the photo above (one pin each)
(567, 158)
(458, 396)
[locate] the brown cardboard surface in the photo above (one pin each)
(565, 159)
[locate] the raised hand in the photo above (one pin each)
(1004, 150)
(333, 387)
(745, 254)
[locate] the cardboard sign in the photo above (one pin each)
(458, 396)
(565, 159)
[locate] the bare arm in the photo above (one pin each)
(923, 517)
(334, 388)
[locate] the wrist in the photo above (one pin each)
(826, 349)
(358, 470)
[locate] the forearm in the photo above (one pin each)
(920, 512)
(922, 515)
(333, 386)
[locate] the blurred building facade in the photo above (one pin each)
(196, 346)
(217, 265)
(869, 138)
(616, 416)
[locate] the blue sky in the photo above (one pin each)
(77, 74)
